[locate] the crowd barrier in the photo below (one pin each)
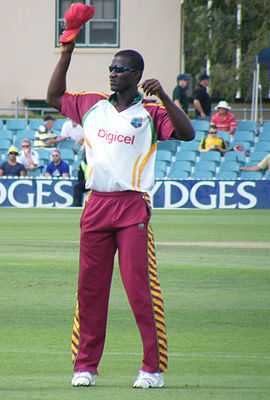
(169, 194)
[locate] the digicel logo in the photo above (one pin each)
(114, 137)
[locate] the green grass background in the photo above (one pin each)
(217, 308)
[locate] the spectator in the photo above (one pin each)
(57, 167)
(261, 166)
(79, 188)
(11, 167)
(201, 98)
(180, 92)
(212, 142)
(70, 130)
(28, 157)
(45, 133)
(224, 118)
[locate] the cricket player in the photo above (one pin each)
(121, 132)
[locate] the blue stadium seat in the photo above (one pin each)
(44, 154)
(264, 136)
(246, 145)
(203, 175)
(244, 136)
(178, 174)
(164, 155)
(266, 126)
(192, 145)
(228, 165)
(267, 175)
(25, 134)
(210, 156)
(199, 135)
(226, 175)
(178, 168)
(246, 125)
(235, 156)
(186, 155)
(16, 124)
(1, 124)
(4, 145)
(4, 134)
(204, 165)
(35, 123)
(251, 175)
(58, 123)
(170, 145)
(225, 136)
(257, 156)
(67, 144)
(200, 124)
(262, 146)
(67, 155)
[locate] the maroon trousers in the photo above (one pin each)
(110, 222)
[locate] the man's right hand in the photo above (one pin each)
(68, 48)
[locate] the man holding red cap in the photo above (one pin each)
(121, 132)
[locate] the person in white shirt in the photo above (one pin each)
(70, 130)
(28, 157)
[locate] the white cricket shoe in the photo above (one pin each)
(83, 379)
(146, 380)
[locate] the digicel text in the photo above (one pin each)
(114, 137)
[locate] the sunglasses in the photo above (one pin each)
(13, 152)
(120, 69)
(25, 145)
(55, 155)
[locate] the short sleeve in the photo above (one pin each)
(162, 123)
(75, 106)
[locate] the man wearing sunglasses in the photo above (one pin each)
(121, 133)
(12, 167)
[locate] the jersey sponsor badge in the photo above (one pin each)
(137, 122)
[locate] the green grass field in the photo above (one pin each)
(215, 274)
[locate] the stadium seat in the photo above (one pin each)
(187, 155)
(251, 175)
(262, 146)
(67, 155)
(266, 126)
(246, 125)
(179, 167)
(244, 136)
(44, 154)
(35, 123)
(225, 136)
(58, 123)
(199, 135)
(264, 136)
(246, 145)
(267, 175)
(169, 145)
(229, 165)
(200, 124)
(66, 144)
(178, 174)
(226, 175)
(203, 165)
(25, 134)
(210, 156)
(164, 155)
(16, 124)
(1, 124)
(193, 145)
(35, 172)
(4, 145)
(203, 175)
(235, 156)
(4, 134)
(257, 156)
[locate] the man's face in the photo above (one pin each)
(122, 75)
(205, 82)
(12, 156)
(56, 157)
(183, 83)
(222, 111)
(49, 124)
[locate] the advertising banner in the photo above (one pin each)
(204, 195)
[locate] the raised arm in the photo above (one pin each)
(57, 84)
(180, 121)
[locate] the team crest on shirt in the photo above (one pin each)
(136, 122)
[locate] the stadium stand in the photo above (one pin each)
(170, 145)
(262, 146)
(227, 175)
(251, 175)
(187, 155)
(5, 134)
(204, 165)
(203, 175)
(16, 124)
(247, 125)
(211, 156)
(200, 124)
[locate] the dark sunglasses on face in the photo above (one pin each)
(119, 69)
(13, 152)
(25, 145)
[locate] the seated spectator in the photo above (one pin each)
(212, 142)
(224, 118)
(11, 167)
(79, 188)
(28, 157)
(45, 133)
(57, 167)
(70, 130)
(261, 166)
(180, 96)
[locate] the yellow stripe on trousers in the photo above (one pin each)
(157, 299)
(75, 338)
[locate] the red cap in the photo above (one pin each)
(77, 15)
